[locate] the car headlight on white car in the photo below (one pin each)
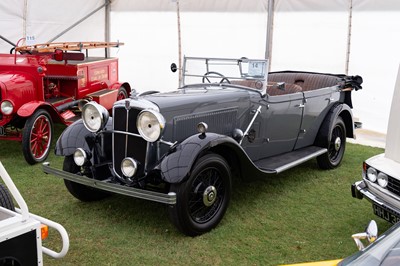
(376, 176)
(372, 174)
(94, 116)
(150, 125)
(383, 179)
(7, 107)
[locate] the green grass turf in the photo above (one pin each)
(304, 214)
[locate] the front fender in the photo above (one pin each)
(175, 167)
(28, 109)
(71, 138)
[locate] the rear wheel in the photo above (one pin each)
(203, 199)
(37, 136)
(79, 191)
(336, 134)
(122, 93)
(6, 199)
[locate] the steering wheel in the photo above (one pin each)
(223, 78)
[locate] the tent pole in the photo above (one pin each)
(349, 37)
(107, 2)
(24, 18)
(270, 27)
(107, 27)
(179, 43)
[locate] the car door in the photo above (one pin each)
(282, 123)
(316, 105)
(277, 126)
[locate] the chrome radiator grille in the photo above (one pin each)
(125, 145)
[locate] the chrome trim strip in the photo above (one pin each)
(300, 161)
(126, 130)
(138, 135)
(126, 133)
(169, 198)
(258, 111)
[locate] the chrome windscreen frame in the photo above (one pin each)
(236, 69)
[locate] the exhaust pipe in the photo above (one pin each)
(69, 105)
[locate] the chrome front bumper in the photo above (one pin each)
(361, 190)
(169, 198)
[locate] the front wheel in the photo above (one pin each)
(336, 145)
(37, 136)
(79, 191)
(203, 199)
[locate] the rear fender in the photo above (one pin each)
(118, 85)
(342, 110)
(347, 115)
(176, 166)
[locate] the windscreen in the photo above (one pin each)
(215, 70)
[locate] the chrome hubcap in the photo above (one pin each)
(209, 196)
(338, 143)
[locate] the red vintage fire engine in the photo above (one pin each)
(46, 83)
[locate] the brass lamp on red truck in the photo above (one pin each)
(46, 83)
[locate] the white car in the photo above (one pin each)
(381, 173)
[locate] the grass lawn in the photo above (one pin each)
(304, 214)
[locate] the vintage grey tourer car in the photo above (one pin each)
(229, 118)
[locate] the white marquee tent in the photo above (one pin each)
(360, 37)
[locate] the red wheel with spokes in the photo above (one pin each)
(37, 136)
(122, 94)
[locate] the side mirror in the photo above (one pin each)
(372, 231)
(371, 234)
(174, 68)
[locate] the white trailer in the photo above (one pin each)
(21, 232)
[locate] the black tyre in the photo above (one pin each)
(6, 199)
(37, 136)
(79, 191)
(122, 93)
(336, 144)
(203, 199)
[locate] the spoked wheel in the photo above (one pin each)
(336, 146)
(37, 136)
(122, 94)
(213, 74)
(203, 199)
(5, 199)
(79, 191)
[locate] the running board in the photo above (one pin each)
(282, 162)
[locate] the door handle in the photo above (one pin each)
(301, 105)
